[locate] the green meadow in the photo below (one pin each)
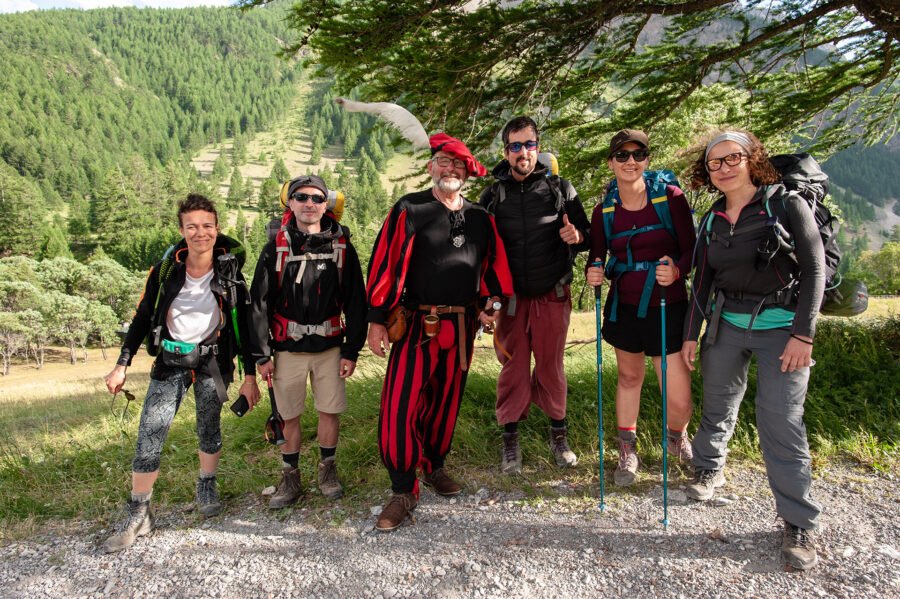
(66, 448)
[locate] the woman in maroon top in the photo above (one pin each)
(632, 333)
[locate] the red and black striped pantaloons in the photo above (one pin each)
(420, 399)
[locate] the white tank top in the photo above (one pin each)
(194, 313)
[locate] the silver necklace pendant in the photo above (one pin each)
(459, 240)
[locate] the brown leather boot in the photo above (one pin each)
(441, 483)
(396, 511)
(328, 480)
(289, 489)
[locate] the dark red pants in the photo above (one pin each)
(420, 399)
(538, 328)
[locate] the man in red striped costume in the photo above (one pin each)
(440, 256)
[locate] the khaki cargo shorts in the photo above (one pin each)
(292, 370)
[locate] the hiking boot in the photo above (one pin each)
(705, 484)
(627, 469)
(289, 489)
(441, 483)
(797, 547)
(207, 497)
(137, 522)
(681, 449)
(395, 511)
(329, 484)
(559, 447)
(512, 454)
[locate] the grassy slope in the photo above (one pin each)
(289, 140)
(65, 454)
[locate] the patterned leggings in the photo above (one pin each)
(160, 406)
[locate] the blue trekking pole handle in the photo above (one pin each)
(663, 368)
(598, 294)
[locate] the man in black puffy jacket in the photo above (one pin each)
(543, 226)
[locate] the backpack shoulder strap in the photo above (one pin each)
(555, 183)
(609, 214)
(657, 192)
(283, 249)
(498, 194)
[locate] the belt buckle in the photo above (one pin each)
(443, 309)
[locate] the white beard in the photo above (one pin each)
(448, 185)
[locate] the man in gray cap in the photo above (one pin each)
(305, 279)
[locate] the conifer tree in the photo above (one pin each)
(280, 171)
(21, 214)
(235, 188)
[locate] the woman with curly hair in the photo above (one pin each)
(759, 283)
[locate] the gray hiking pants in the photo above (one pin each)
(162, 402)
(779, 415)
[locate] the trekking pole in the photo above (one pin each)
(663, 368)
(598, 293)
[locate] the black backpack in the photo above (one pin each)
(802, 174)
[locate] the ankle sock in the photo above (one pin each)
(628, 435)
(207, 475)
(141, 497)
(327, 452)
(291, 460)
(673, 435)
(511, 427)
(558, 423)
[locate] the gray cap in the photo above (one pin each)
(307, 181)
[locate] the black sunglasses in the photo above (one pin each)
(302, 197)
(623, 155)
(516, 146)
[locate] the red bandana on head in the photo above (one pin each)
(444, 143)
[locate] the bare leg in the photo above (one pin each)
(628, 388)
(327, 433)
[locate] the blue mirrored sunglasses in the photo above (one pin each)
(516, 146)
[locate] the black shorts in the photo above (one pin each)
(635, 335)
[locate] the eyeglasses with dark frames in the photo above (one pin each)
(444, 161)
(733, 159)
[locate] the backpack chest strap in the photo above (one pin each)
(286, 257)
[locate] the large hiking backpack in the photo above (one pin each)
(281, 327)
(802, 174)
(656, 183)
(284, 252)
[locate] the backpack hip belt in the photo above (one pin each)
(783, 297)
(284, 329)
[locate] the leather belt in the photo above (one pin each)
(461, 340)
(442, 309)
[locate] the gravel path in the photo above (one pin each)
(489, 544)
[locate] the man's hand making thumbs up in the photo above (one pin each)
(568, 233)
